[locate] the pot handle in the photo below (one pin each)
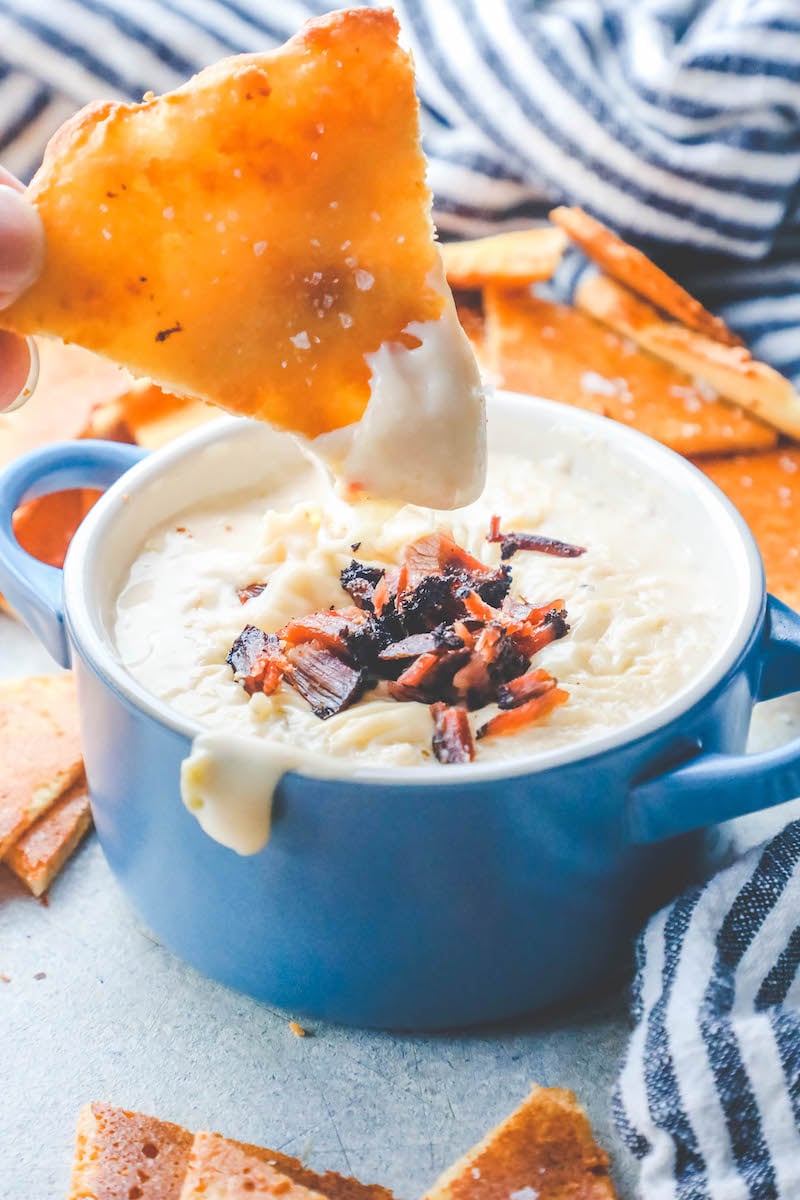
(33, 587)
(717, 787)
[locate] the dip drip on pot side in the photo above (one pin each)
(439, 629)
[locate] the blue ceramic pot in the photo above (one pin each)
(415, 897)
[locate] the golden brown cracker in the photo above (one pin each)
(330, 1183)
(560, 353)
(766, 490)
(38, 856)
(636, 271)
(545, 1147)
(510, 259)
(156, 417)
(223, 1170)
(731, 370)
(249, 238)
(40, 750)
(121, 1155)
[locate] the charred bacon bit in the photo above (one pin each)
(436, 554)
(386, 590)
(523, 688)
(511, 720)
(324, 679)
(478, 608)
(510, 543)
(257, 660)
(250, 592)
(422, 643)
(360, 581)
(452, 737)
(339, 629)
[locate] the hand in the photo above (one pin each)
(21, 257)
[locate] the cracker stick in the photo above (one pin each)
(511, 259)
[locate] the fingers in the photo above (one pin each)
(21, 257)
(21, 243)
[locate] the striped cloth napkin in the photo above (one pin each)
(678, 123)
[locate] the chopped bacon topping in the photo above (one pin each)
(324, 679)
(257, 660)
(510, 543)
(440, 629)
(452, 736)
(511, 720)
(250, 592)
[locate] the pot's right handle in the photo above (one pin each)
(717, 787)
(32, 587)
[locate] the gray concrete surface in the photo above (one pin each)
(94, 1009)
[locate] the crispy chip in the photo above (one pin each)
(732, 370)
(766, 490)
(636, 271)
(511, 259)
(250, 237)
(43, 849)
(330, 1183)
(40, 751)
(222, 1170)
(560, 353)
(121, 1155)
(546, 1147)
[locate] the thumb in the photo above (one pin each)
(21, 244)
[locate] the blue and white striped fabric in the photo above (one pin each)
(675, 121)
(678, 123)
(709, 1094)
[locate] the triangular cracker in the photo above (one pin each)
(250, 237)
(38, 856)
(329, 1183)
(121, 1155)
(732, 370)
(40, 750)
(766, 490)
(543, 1151)
(560, 353)
(512, 259)
(638, 272)
(222, 1170)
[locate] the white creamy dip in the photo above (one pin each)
(638, 601)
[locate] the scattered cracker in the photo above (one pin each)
(543, 1151)
(731, 370)
(41, 852)
(250, 237)
(122, 1155)
(636, 271)
(222, 1170)
(558, 352)
(766, 490)
(510, 259)
(40, 750)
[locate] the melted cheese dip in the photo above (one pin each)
(638, 602)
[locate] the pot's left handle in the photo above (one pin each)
(717, 787)
(32, 587)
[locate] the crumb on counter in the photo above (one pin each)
(298, 1030)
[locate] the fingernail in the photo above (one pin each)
(21, 244)
(31, 380)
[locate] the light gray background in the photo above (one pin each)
(117, 1018)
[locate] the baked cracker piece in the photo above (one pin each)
(757, 388)
(634, 269)
(511, 259)
(38, 856)
(543, 1151)
(222, 1170)
(122, 1155)
(766, 490)
(560, 353)
(40, 750)
(212, 1147)
(250, 237)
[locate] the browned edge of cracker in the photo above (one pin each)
(220, 1167)
(547, 1144)
(38, 856)
(634, 269)
(523, 256)
(731, 370)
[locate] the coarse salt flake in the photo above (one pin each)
(524, 1193)
(364, 280)
(598, 385)
(168, 213)
(259, 248)
(107, 234)
(301, 340)
(789, 465)
(346, 320)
